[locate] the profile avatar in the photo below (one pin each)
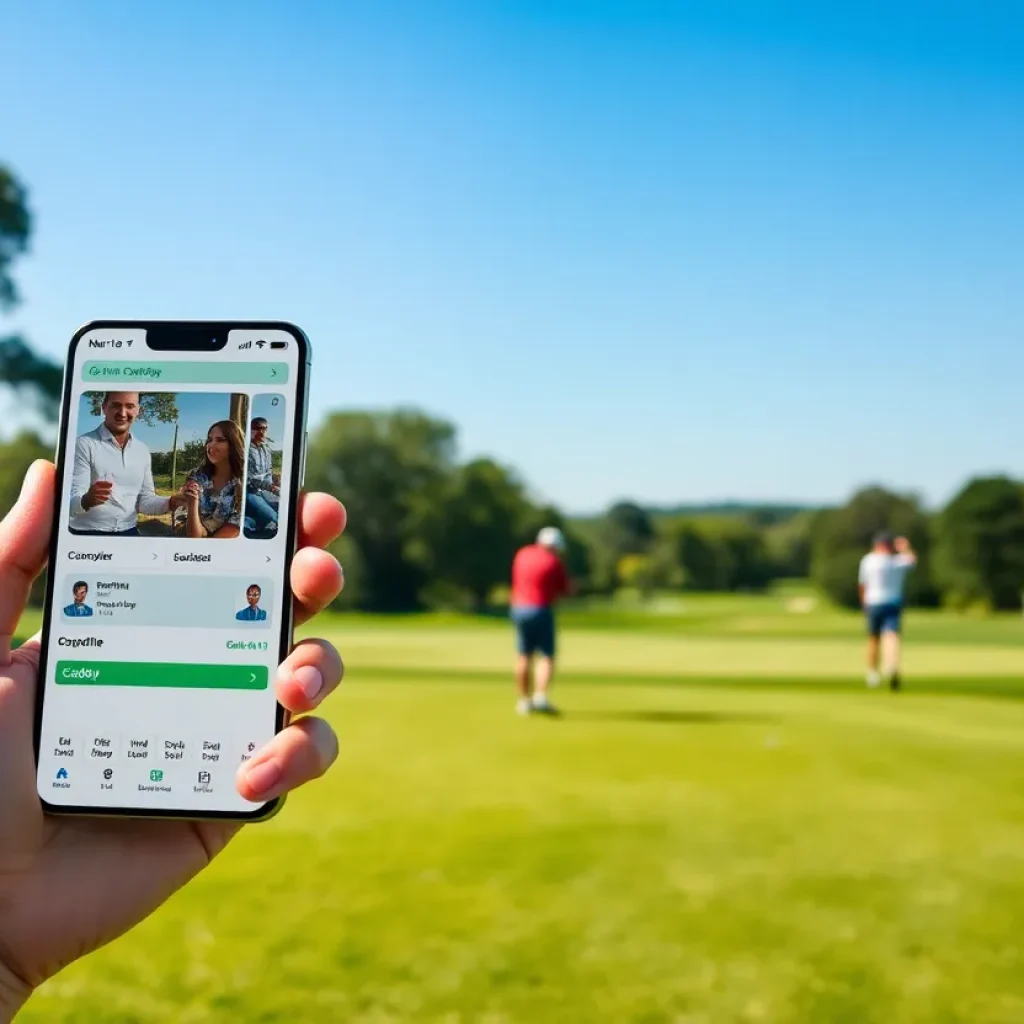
(252, 612)
(78, 608)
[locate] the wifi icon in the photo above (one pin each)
(260, 343)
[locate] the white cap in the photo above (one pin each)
(552, 537)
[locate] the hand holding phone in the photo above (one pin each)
(47, 866)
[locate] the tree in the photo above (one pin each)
(719, 554)
(694, 554)
(465, 541)
(639, 572)
(979, 556)
(384, 466)
(20, 367)
(189, 456)
(788, 542)
(657, 570)
(627, 529)
(238, 412)
(840, 537)
(29, 373)
(15, 228)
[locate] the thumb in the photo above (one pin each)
(24, 541)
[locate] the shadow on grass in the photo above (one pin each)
(666, 717)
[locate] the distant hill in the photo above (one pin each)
(765, 513)
(762, 512)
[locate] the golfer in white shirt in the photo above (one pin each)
(112, 478)
(883, 575)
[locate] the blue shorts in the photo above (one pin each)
(535, 630)
(883, 618)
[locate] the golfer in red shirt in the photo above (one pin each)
(539, 579)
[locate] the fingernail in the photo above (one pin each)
(263, 776)
(309, 679)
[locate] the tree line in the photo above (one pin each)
(971, 552)
(428, 530)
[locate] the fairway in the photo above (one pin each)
(726, 826)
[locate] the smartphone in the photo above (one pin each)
(179, 463)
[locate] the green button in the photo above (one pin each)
(140, 375)
(162, 673)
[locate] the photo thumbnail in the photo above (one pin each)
(252, 612)
(79, 608)
(159, 464)
(263, 485)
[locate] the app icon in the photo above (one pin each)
(250, 747)
(156, 775)
(108, 773)
(62, 773)
(204, 777)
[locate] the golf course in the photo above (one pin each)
(725, 825)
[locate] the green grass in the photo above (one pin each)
(724, 827)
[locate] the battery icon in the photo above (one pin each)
(279, 344)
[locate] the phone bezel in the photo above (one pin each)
(297, 467)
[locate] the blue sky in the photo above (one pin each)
(197, 412)
(673, 251)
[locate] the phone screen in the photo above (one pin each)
(168, 607)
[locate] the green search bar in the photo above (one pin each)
(141, 374)
(162, 674)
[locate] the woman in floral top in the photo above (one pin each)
(213, 492)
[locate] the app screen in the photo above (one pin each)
(168, 606)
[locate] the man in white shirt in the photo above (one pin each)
(882, 578)
(112, 478)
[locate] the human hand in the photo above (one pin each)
(98, 494)
(69, 885)
(901, 545)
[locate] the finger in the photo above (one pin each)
(322, 519)
(296, 755)
(311, 672)
(24, 539)
(28, 652)
(18, 684)
(18, 698)
(317, 580)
